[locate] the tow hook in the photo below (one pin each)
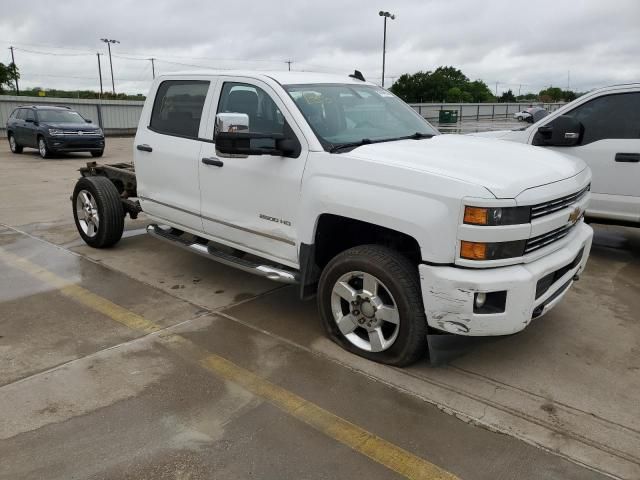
(576, 277)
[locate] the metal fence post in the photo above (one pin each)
(477, 112)
(493, 111)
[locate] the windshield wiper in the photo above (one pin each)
(367, 141)
(341, 146)
(419, 136)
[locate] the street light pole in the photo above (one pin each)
(385, 15)
(109, 41)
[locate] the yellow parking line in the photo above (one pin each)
(335, 427)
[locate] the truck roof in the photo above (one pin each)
(282, 77)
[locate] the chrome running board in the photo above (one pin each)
(272, 272)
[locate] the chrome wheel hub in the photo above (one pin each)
(12, 143)
(87, 213)
(43, 147)
(365, 311)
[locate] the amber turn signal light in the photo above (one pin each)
(473, 250)
(476, 215)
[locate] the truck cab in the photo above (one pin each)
(336, 185)
(602, 128)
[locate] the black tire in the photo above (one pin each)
(43, 148)
(400, 278)
(109, 209)
(13, 145)
(97, 154)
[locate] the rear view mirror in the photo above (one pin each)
(564, 131)
(88, 120)
(30, 120)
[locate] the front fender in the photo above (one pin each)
(423, 206)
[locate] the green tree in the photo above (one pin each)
(454, 95)
(8, 74)
(442, 84)
(551, 94)
(507, 96)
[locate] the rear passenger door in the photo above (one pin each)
(29, 129)
(167, 151)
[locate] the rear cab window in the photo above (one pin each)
(177, 108)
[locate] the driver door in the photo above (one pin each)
(250, 201)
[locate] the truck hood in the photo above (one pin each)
(504, 168)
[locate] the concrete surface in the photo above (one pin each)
(117, 404)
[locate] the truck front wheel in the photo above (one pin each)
(98, 212)
(370, 303)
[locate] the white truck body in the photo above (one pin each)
(610, 147)
(335, 184)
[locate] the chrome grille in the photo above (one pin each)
(542, 209)
(535, 243)
(80, 132)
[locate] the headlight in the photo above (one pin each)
(55, 131)
(493, 216)
(491, 251)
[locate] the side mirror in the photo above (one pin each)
(231, 123)
(564, 131)
(232, 137)
(30, 120)
(88, 120)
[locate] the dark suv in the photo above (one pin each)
(53, 129)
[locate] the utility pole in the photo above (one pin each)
(496, 89)
(519, 88)
(153, 68)
(100, 73)
(109, 41)
(385, 15)
(289, 62)
(15, 71)
(568, 79)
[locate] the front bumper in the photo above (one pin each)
(448, 292)
(75, 143)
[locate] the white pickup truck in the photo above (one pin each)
(336, 185)
(603, 129)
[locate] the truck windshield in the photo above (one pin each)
(345, 115)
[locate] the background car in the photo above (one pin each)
(53, 130)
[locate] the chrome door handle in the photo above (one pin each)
(213, 161)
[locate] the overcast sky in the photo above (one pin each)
(532, 44)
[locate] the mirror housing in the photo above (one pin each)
(29, 120)
(88, 120)
(232, 137)
(564, 131)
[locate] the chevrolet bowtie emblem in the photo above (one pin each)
(575, 215)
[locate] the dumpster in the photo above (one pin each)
(448, 116)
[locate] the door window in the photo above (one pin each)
(29, 115)
(609, 116)
(21, 115)
(177, 109)
(264, 115)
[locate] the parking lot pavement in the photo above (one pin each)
(569, 383)
(126, 381)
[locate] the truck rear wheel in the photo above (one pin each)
(370, 303)
(98, 212)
